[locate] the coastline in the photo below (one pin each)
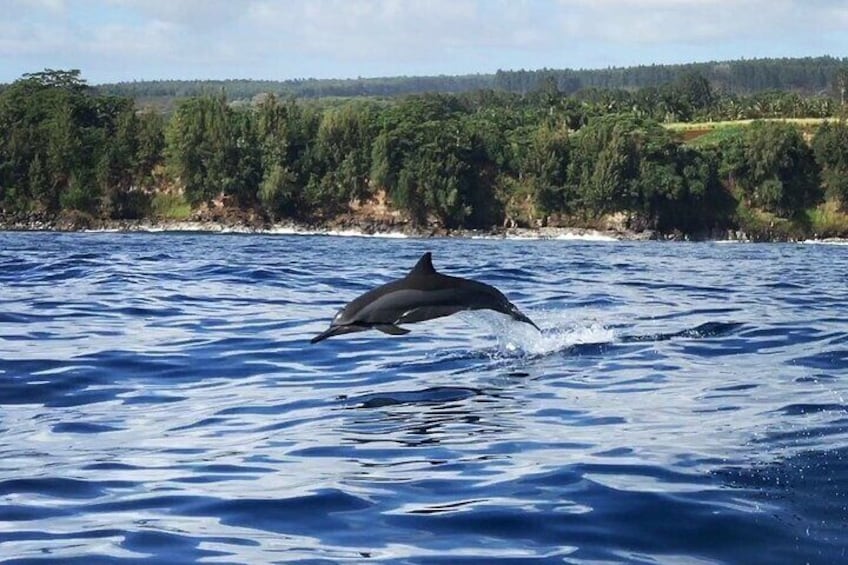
(363, 228)
(352, 229)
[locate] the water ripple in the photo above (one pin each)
(160, 402)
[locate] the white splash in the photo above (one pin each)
(559, 234)
(517, 339)
(825, 242)
(527, 341)
(589, 236)
(294, 230)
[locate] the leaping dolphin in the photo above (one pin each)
(421, 295)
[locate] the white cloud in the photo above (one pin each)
(189, 14)
(154, 38)
(276, 39)
(55, 6)
(665, 21)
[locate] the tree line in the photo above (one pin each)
(806, 75)
(474, 160)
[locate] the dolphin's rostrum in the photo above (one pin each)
(421, 295)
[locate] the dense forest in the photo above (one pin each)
(472, 160)
(806, 76)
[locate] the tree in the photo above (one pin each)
(781, 174)
(605, 163)
(70, 80)
(841, 82)
(64, 154)
(544, 166)
(213, 150)
(343, 155)
(285, 136)
(695, 91)
(66, 147)
(830, 146)
(398, 153)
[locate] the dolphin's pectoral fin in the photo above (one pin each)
(391, 329)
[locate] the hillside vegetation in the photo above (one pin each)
(474, 160)
(808, 76)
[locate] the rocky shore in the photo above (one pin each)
(348, 225)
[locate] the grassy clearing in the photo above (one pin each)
(711, 133)
(828, 220)
(703, 126)
(824, 221)
(170, 206)
(714, 137)
(764, 226)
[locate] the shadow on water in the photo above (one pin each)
(703, 331)
(448, 416)
(428, 396)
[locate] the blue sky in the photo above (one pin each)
(115, 40)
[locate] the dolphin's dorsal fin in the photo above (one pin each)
(424, 266)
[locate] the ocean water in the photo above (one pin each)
(160, 402)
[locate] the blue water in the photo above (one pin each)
(160, 402)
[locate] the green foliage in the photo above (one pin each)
(718, 137)
(605, 163)
(285, 134)
(840, 83)
(694, 90)
(278, 191)
(740, 77)
(67, 149)
(342, 155)
(543, 165)
(776, 169)
(432, 159)
(170, 206)
(214, 151)
(830, 145)
(551, 149)
(828, 220)
(399, 152)
(81, 194)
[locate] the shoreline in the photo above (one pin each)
(368, 228)
(303, 229)
(362, 229)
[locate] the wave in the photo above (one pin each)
(294, 230)
(520, 340)
(159, 400)
(558, 234)
(829, 241)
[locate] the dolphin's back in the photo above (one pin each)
(416, 298)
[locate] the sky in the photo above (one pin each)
(125, 40)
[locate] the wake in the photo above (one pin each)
(522, 341)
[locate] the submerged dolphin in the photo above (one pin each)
(421, 295)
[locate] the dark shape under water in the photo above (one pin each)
(708, 329)
(421, 295)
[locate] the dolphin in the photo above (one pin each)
(423, 294)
